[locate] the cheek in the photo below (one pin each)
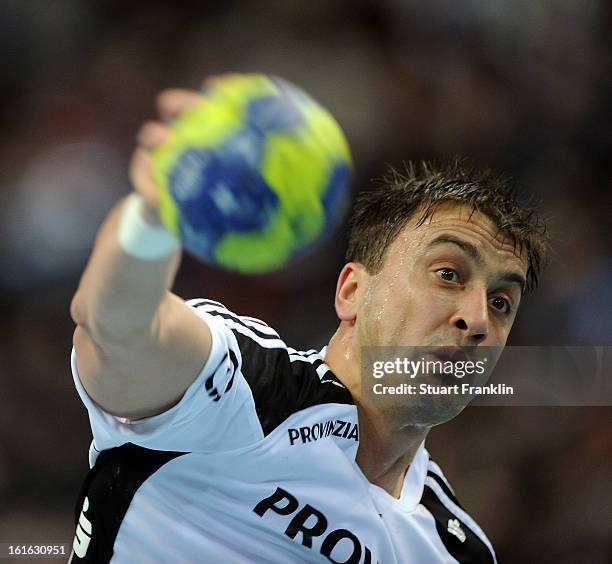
(377, 299)
(441, 303)
(381, 312)
(403, 316)
(499, 333)
(430, 305)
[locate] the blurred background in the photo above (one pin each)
(519, 85)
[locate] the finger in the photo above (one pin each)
(141, 176)
(210, 81)
(152, 134)
(171, 102)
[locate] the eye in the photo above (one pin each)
(500, 304)
(448, 274)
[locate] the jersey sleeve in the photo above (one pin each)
(216, 412)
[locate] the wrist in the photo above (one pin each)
(141, 233)
(150, 214)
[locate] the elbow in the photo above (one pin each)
(88, 323)
(113, 331)
(83, 321)
(77, 309)
(82, 333)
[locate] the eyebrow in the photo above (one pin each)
(472, 252)
(466, 247)
(514, 278)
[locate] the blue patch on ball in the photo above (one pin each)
(271, 113)
(335, 199)
(221, 191)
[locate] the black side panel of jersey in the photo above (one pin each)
(444, 487)
(109, 487)
(472, 550)
(279, 386)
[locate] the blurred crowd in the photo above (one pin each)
(521, 86)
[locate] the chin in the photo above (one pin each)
(432, 413)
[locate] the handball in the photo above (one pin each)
(254, 175)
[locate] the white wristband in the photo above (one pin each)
(140, 239)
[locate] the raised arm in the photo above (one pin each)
(138, 346)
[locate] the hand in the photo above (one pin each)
(170, 104)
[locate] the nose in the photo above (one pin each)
(472, 316)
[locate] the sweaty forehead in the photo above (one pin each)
(459, 217)
(459, 221)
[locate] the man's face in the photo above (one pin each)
(450, 282)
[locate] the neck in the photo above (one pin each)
(386, 446)
(386, 450)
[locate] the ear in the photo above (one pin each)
(350, 282)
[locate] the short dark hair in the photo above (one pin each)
(381, 213)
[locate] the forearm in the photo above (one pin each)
(119, 295)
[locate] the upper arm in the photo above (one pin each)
(148, 373)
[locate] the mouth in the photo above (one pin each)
(449, 354)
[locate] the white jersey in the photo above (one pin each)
(256, 463)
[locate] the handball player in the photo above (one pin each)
(214, 441)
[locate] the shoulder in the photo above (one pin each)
(281, 379)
